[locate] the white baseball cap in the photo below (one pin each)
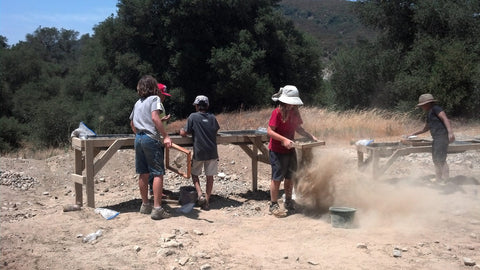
(201, 98)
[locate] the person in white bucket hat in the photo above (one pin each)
(284, 122)
(440, 129)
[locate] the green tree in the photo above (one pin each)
(11, 134)
(186, 45)
(436, 51)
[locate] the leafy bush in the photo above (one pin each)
(11, 134)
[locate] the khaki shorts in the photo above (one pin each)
(210, 166)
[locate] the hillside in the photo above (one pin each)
(331, 22)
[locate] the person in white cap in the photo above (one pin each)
(204, 127)
(440, 129)
(284, 122)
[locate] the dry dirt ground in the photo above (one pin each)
(404, 220)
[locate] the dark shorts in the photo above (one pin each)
(283, 165)
(148, 155)
(439, 150)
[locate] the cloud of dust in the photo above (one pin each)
(334, 180)
(315, 189)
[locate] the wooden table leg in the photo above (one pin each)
(375, 163)
(254, 167)
(89, 173)
(359, 159)
(79, 166)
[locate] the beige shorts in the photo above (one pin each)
(210, 167)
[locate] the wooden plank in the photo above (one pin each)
(89, 173)
(105, 157)
(247, 150)
(80, 179)
(300, 145)
(78, 169)
(254, 167)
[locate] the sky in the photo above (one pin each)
(21, 17)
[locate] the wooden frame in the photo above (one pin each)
(187, 152)
(394, 150)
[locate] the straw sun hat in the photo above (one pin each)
(289, 95)
(425, 98)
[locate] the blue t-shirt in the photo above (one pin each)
(203, 126)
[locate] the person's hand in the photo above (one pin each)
(167, 142)
(287, 143)
(165, 118)
(183, 133)
(314, 138)
(451, 137)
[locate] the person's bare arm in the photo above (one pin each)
(166, 118)
(133, 127)
(425, 129)
(443, 116)
(300, 130)
(287, 143)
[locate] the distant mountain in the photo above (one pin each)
(331, 22)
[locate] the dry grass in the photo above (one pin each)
(346, 126)
(325, 124)
(329, 126)
(353, 125)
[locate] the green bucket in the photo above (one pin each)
(342, 217)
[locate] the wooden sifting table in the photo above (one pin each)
(88, 162)
(393, 150)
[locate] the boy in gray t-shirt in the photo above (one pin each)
(204, 127)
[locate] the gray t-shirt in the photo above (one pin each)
(142, 115)
(437, 127)
(203, 126)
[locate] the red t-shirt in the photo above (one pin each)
(286, 129)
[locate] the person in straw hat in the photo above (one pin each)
(284, 122)
(440, 129)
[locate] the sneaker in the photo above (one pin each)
(276, 211)
(289, 205)
(159, 213)
(145, 209)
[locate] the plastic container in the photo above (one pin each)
(342, 217)
(188, 194)
(186, 208)
(93, 236)
(106, 213)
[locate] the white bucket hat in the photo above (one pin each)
(288, 95)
